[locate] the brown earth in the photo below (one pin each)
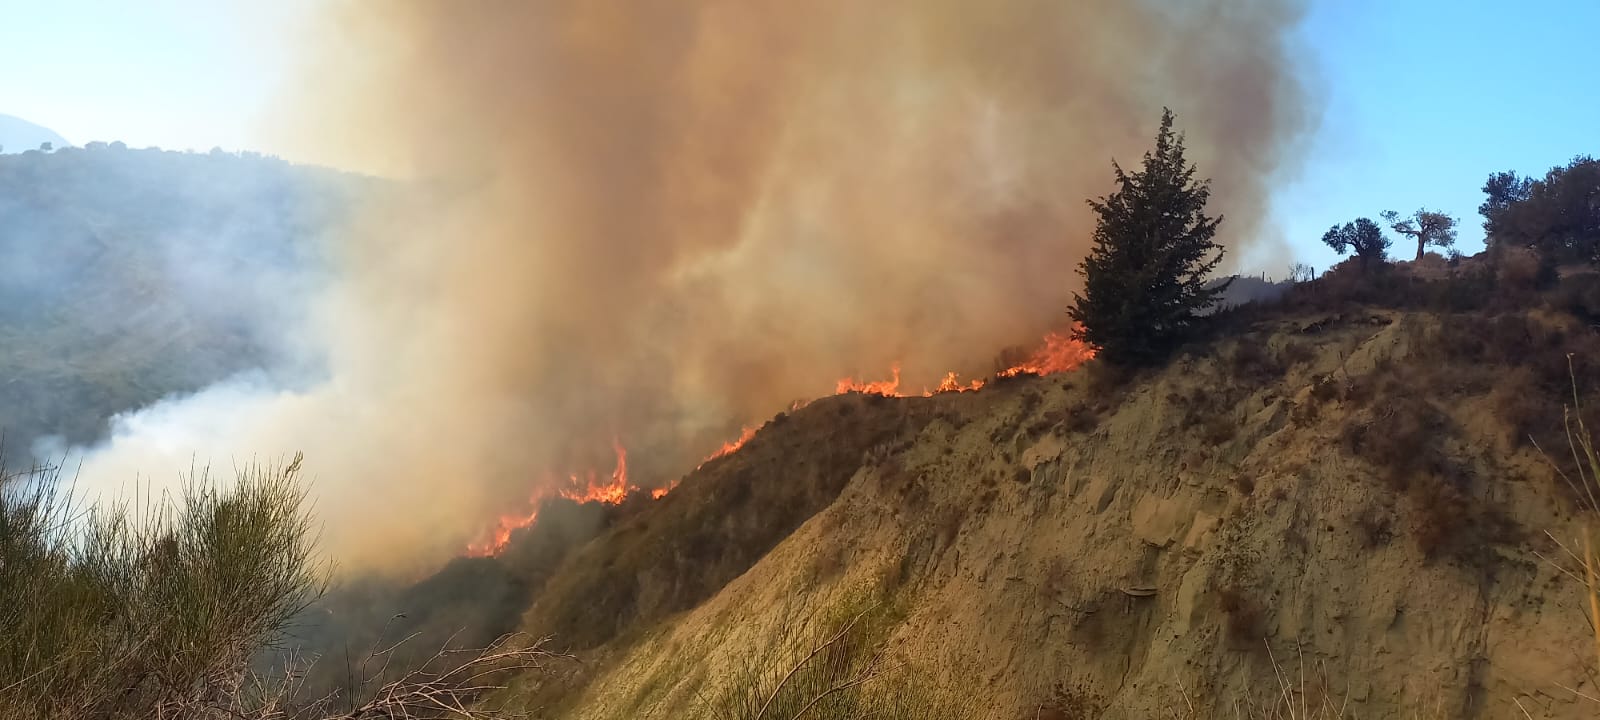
(1333, 506)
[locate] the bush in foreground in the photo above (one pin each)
(159, 611)
(122, 612)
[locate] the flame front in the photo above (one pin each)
(579, 488)
(952, 383)
(1059, 353)
(890, 387)
(496, 539)
(730, 447)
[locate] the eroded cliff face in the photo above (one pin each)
(1325, 508)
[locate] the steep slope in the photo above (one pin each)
(1346, 498)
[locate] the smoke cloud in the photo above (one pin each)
(655, 221)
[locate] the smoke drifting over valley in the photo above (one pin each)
(658, 222)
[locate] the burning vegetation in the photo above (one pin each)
(1059, 352)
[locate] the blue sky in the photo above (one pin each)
(178, 74)
(1420, 99)
(1423, 99)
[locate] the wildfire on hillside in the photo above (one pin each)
(582, 488)
(730, 447)
(1059, 353)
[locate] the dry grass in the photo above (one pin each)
(840, 670)
(1581, 561)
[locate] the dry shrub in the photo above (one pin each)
(1030, 402)
(1081, 419)
(1296, 353)
(1517, 269)
(1250, 360)
(1324, 389)
(1374, 525)
(1431, 265)
(1104, 380)
(1443, 516)
(1399, 438)
(1217, 430)
(1069, 702)
(1522, 407)
(1579, 296)
(1245, 616)
(1243, 483)
(1520, 360)
(1304, 414)
(949, 523)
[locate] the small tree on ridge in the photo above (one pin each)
(1427, 226)
(1146, 279)
(1362, 236)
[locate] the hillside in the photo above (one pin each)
(18, 135)
(127, 275)
(1341, 489)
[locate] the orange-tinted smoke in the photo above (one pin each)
(662, 220)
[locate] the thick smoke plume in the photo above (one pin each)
(655, 221)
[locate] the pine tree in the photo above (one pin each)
(1146, 280)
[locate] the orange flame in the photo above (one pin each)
(952, 383)
(890, 387)
(592, 490)
(585, 488)
(496, 539)
(732, 446)
(1059, 354)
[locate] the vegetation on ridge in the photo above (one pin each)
(1148, 276)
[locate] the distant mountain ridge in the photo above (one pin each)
(130, 275)
(18, 135)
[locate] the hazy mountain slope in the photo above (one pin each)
(126, 275)
(18, 135)
(1346, 493)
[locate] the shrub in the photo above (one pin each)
(1400, 439)
(1070, 702)
(113, 614)
(1578, 295)
(1324, 389)
(1251, 361)
(1443, 515)
(1374, 525)
(1518, 269)
(1217, 430)
(1522, 407)
(1081, 418)
(1244, 616)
